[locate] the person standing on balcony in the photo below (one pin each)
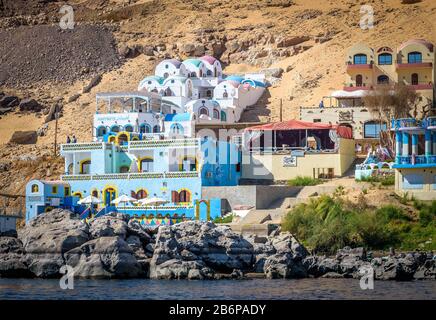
(68, 139)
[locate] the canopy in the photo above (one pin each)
(152, 201)
(123, 199)
(343, 131)
(349, 94)
(89, 200)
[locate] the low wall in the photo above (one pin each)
(258, 196)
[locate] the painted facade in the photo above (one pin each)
(411, 64)
(184, 85)
(415, 160)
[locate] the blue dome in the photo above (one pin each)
(235, 78)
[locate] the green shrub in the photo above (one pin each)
(385, 180)
(304, 181)
(326, 224)
(226, 219)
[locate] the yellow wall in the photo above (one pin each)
(426, 193)
(270, 166)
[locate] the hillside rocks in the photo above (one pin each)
(114, 246)
(24, 137)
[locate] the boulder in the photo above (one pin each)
(179, 269)
(427, 271)
(187, 48)
(284, 266)
(109, 225)
(291, 41)
(30, 105)
(9, 101)
(202, 244)
(47, 237)
(131, 52)
(24, 137)
(135, 228)
(286, 243)
(105, 257)
(12, 263)
(273, 73)
(94, 81)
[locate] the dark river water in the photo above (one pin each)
(221, 289)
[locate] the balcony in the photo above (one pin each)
(429, 123)
(420, 86)
(353, 87)
(170, 143)
(415, 161)
(352, 66)
(74, 147)
(414, 65)
(131, 176)
(405, 123)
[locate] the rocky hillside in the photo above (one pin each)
(117, 42)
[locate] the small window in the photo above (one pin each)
(383, 79)
(360, 59)
(124, 169)
(35, 188)
(54, 189)
(414, 57)
(238, 167)
(316, 120)
(66, 191)
(166, 66)
(385, 59)
(128, 128)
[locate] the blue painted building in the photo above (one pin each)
(415, 157)
(166, 162)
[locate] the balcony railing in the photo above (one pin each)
(405, 64)
(82, 146)
(354, 87)
(357, 66)
(429, 122)
(174, 143)
(405, 123)
(131, 176)
(421, 159)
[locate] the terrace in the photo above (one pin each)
(130, 176)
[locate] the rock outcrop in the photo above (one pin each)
(114, 246)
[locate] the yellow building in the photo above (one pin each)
(284, 150)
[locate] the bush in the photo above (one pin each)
(304, 181)
(385, 180)
(326, 224)
(225, 219)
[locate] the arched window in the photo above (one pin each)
(383, 79)
(209, 93)
(371, 129)
(193, 75)
(200, 73)
(225, 95)
(122, 139)
(101, 131)
(168, 92)
(184, 196)
(128, 128)
(70, 168)
(415, 79)
(204, 111)
(156, 129)
(146, 165)
(223, 116)
(35, 188)
(414, 57)
(85, 167)
(176, 128)
(124, 169)
(115, 128)
(94, 193)
(166, 75)
(360, 58)
(209, 73)
(359, 80)
(216, 114)
(144, 128)
(385, 59)
(141, 194)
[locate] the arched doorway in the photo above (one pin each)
(122, 138)
(383, 79)
(359, 80)
(109, 194)
(415, 79)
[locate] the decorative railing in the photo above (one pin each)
(190, 142)
(131, 176)
(429, 122)
(82, 146)
(421, 159)
(405, 123)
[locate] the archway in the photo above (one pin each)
(109, 194)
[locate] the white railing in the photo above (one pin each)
(82, 146)
(144, 144)
(131, 176)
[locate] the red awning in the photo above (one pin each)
(343, 131)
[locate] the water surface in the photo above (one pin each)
(220, 289)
